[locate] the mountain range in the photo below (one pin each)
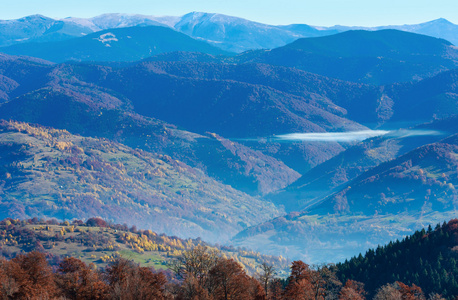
(364, 56)
(119, 44)
(229, 33)
(316, 149)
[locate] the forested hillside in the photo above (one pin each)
(88, 260)
(47, 172)
(390, 200)
(428, 259)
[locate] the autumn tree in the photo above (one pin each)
(96, 222)
(152, 284)
(79, 281)
(299, 286)
(190, 289)
(352, 290)
(399, 290)
(228, 280)
(33, 275)
(276, 289)
(128, 281)
(256, 289)
(196, 262)
(317, 283)
(9, 273)
(299, 271)
(410, 292)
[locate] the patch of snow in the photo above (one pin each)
(107, 38)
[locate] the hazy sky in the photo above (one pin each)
(314, 12)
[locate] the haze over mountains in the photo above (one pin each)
(227, 32)
(158, 119)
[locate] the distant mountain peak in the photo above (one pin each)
(35, 17)
(215, 17)
(440, 21)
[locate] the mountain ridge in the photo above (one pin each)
(206, 26)
(371, 57)
(120, 44)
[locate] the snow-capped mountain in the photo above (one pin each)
(38, 28)
(226, 32)
(109, 21)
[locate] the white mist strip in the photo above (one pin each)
(352, 136)
(348, 136)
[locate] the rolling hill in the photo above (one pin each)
(21, 75)
(118, 44)
(432, 98)
(100, 242)
(439, 28)
(377, 57)
(421, 181)
(51, 173)
(269, 100)
(329, 176)
(68, 103)
(386, 202)
(229, 162)
(212, 97)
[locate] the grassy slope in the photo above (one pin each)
(65, 102)
(100, 245)
(51, 173)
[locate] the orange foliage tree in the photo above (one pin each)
(299, 286)
(353, 290)
(228, 280)
(78, 281)
(33, 275)
(128, 281)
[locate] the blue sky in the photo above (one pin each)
(316, 12)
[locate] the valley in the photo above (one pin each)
(173, 126)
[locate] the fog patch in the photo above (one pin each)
(349, 136)
(342, 137)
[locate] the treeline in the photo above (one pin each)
(96, 237)
(198, 274)
(428, 258)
